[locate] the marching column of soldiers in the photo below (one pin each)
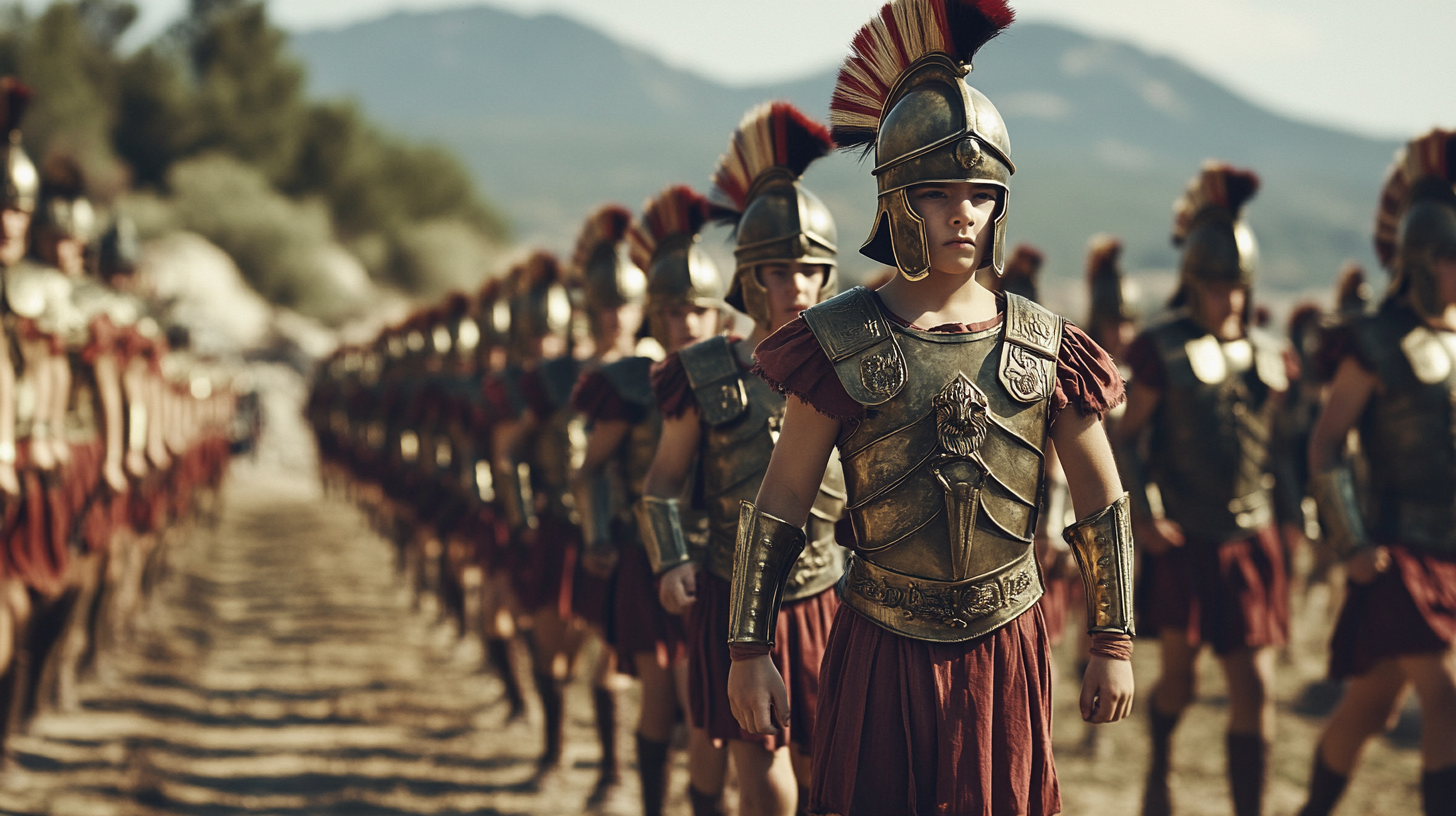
(836, 544)
(112, 434)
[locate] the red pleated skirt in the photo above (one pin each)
(640, 625)
(548, 573)
(914, 728)
(799, 644)
(1409, 609)
(1232, 596)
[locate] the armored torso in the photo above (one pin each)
(1407, 433)
(945, 472)
(1210, 452)
(631, 380)
(741, 417)
(560, 440)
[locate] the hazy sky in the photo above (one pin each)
(1389, 72)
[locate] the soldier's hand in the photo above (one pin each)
(9, 482)
(678, 587)
(1107, 690)
(756, 695)
(1364, 565)
(600, 559)
(1158, 535)
(115, 476)
(136, 463)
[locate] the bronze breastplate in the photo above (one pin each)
(1407, 434)
(1211, 433)
(741, 418)
(944, 474)
(560, 442)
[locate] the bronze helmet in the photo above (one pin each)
(1109, 306)
(1416, 223)
(776, 219)
(1217, 245)
(22, 181)
(120, 250)
(65, 211)
(664, 241)
(541, 305)
(607, 277)
(903, 93)
(1022, 271)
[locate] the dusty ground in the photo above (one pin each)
(283, 669)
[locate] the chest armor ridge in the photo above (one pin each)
(741, 417)
(944, 474)
(1211, 434)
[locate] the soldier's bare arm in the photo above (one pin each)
(756, 692)
(1350, 391)
(1086, 457)
(1154, 532)
(671, 467)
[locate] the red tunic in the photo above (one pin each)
(803, 626)
(1410, 608)
(636, 622)
(913, 727)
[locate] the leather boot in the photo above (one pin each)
(609, 776)
(550, 690)
(498, 658)
(652, 770)
(1157, 799)
(1438, 792)
(1246, 771)
(705, 804)
(1326, 786)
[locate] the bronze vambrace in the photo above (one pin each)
(660, 522)
(1102, 544)
(1339, 510)
(593, 499)
(516, 498)
(763, 556)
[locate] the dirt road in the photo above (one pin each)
(282, 669)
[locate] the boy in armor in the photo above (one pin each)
(684, 302)
(565, 602)
(623, 430)
(935, 694)
(717, 411)
(1207, 387)
(1394, 385)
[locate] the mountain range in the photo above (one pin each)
(554, 117)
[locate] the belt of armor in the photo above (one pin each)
(1426, 525)
(941, 611)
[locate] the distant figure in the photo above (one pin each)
(1206, 387)
(1396, 386)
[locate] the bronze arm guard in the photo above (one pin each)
(766, 550)
(660, 522)
(1339, 510)
(594, 509)
(1102, 544)
(516, 498)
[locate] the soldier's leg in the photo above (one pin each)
(606, 686)
(553, 652)
(1250, 675)
(1176, 685)
(654, 729)
(766, 785)
(1369, 706)
(707, 762)
(1434, 679)
(498, 630)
